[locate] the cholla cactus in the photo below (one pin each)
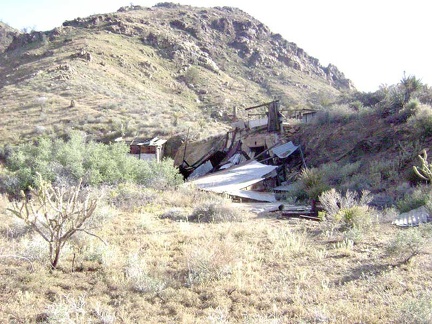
(424, 171)
(56, 214)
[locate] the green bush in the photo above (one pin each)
(420, 196)
(65, 162)
(313, 182)
(347, 212)
(355, 217)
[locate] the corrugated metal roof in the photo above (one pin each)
(149, 142)
(414, 217)
(234, 179)
(284, 150)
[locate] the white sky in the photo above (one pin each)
(371, 41)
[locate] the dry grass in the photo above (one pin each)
(261, 270)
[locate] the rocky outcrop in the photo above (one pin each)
(189, 35)
(7, 35)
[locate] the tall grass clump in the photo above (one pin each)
(210, 260)
(139, 278)
(216, 211)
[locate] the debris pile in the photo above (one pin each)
(252, 159)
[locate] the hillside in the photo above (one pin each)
(7, 34)
(153, 71)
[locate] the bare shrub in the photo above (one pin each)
(56, 214)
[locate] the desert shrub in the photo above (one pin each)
(287, 243)
(34, 248)
(192, 75)
(409, 109)
(56, 214)
(216, 211)
(358, 217)
(129, 196)
(65, 162)
(175, 214)
(139, 277)
(410, 242)
(348, 211)
(68, 309)
(336, 174)
(339, 113)
(210, 260)
(419, 196)
(313, 182)
(159, 176)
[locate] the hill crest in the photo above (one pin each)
(154, 72)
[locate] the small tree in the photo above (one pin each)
(56, 214)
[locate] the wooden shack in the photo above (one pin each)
(148, 149)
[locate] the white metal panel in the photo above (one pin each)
(232, 180)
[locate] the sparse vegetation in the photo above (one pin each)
(410, 242)
(175, 254)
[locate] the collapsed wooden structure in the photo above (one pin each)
(248, 162)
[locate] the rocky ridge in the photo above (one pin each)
(190, 35)
(7, 35)
(154, 71)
